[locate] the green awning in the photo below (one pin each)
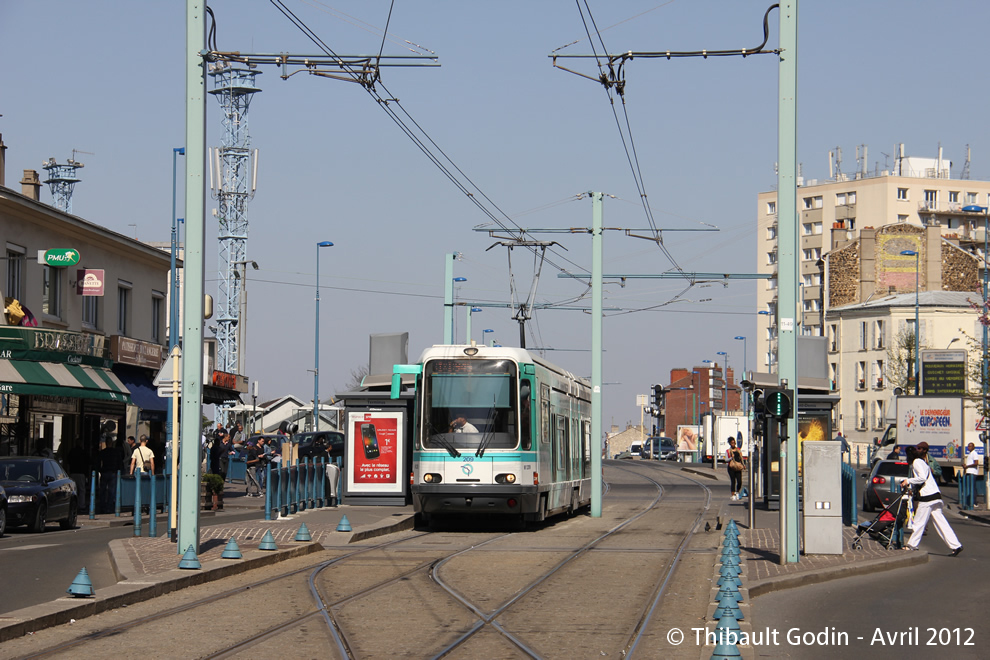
(58, 379)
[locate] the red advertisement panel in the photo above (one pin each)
(374, 448)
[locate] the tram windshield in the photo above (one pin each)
(470, 405)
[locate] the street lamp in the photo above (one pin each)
(316, 363)
(917, 327)
(769, 316)
(485, 332)
(951, 342)
(725, 382)
(745, 376)
(470, 311)
(242, 314)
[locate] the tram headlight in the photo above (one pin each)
(432, 478)
(505, 478)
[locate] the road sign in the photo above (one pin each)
(164, 375)
(982, 424)
(166, 391)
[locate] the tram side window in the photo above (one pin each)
(545, 412)
(525, 415)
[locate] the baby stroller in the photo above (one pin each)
(885, 528)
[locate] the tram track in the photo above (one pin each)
(413, 584)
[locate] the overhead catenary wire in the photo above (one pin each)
(421, 138)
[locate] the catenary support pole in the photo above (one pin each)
(788, 268)
(596, 355)
(194, 267)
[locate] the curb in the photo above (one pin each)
(870, 566)
(708, 474)
(407, 522)
(57, 612)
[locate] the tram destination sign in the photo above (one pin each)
(943, 372)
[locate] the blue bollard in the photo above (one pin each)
(294, 488)
(283, 491)
(303, 489)
(137, 503)
(92, 496)
(312, 483)
(321, 489)
(153, 510)
(116, 510)
(268, 491)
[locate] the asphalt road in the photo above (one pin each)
(38, 568)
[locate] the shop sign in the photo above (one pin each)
(225, 380)
(54, 404)
(58, 257)
(89, 281)
(53, 346)
(125, 350)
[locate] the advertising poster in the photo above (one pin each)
(374, 452)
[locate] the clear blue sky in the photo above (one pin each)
(107, 77)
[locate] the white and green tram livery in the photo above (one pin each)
(498, 431)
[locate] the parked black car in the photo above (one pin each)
(883, 484)
(317, 444)
(38, 490)
(3, 510)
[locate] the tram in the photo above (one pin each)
(498, 431)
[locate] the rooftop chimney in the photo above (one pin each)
(31, 185)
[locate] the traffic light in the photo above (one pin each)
(778, 404)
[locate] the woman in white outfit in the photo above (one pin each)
(930, 503)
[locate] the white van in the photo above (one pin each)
(635, 449)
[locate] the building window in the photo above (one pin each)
(819, 202)
(771, 284)
(902, 218)
(811, 254)
(90, 312)
(863, 329)
(772, 233)
(953, 197)
(902, 193)
(851, 198)
(51, 291)
(806, 228)
(833, 372)
(123, 306)
(878, 414)
(877, 375)
(861, 415)
(808, 203)
(157, 304)
(879, 335)
(817, 228)
(833, 338)
(771, 208)
(772, 258)
(971, 198)
(15, 271)
(861, 375)
(931, 199)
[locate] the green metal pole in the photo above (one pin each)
(596, 354)
(787, 309)
(193, 278)
(448, 299)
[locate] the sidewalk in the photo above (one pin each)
(760, 547)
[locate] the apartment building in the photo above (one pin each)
(912, 191)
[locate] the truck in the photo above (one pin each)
(937, 420)
(716, 431)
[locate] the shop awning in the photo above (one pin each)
(58, 379)
(144, 394)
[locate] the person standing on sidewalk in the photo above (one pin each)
(972, 468)
(734, 464)
(929, 503)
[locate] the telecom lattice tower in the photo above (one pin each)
(62, 179)
(234, 86)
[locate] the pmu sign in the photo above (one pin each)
(58, 257)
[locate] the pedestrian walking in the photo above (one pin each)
(253, 488)
(143, 458)
(929, 503)
(734, 465)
